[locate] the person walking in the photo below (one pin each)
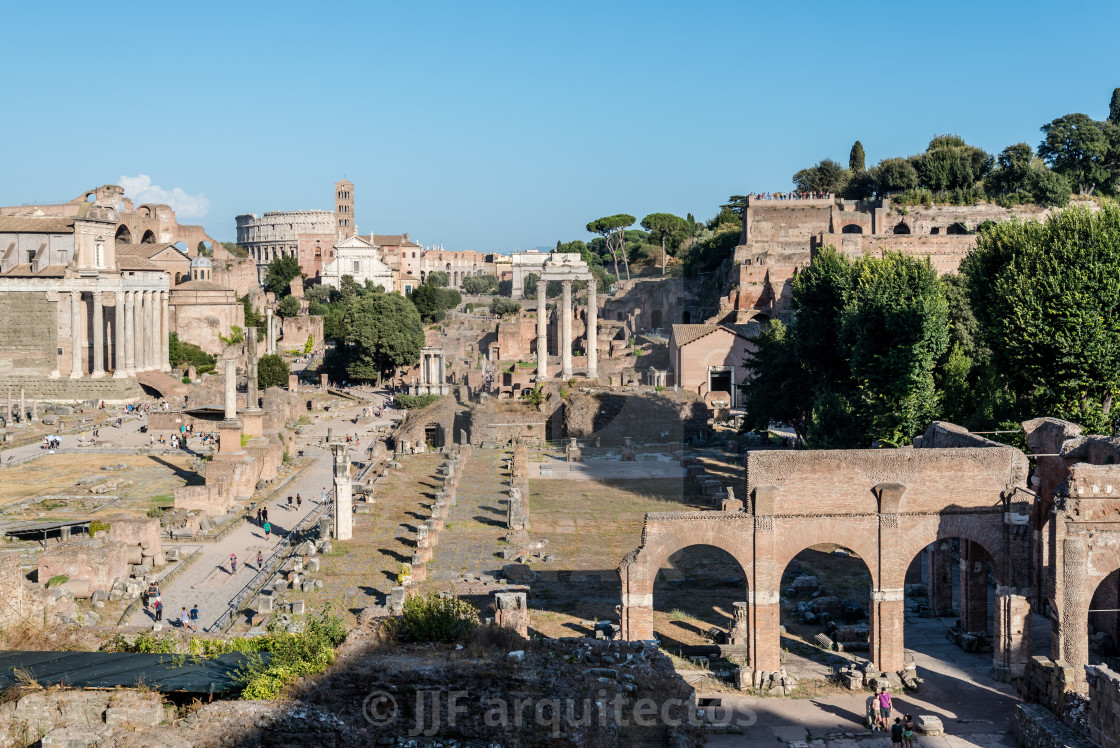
(897, 732)
(260, 517)
(159, 610)
(233, 563)
(323, 495)
(289, 503)
(260, 560)
(267, 529)
(194, 618)
(264, 514)
(299, 502)
(185, 619)
(908, 730)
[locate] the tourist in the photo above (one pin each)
(159, 610)
(884, 708)
(896, 731)
(152, 596)
(872, 712)
(264, 513)
(260, 516)
(260, 560)
(908, 730)
(185, 619)
(267, 529)
(323, 495)
(299, 502)
(233, 563)
(289, 502)
(194, 618)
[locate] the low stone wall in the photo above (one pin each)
(11, 589)
(1048, 683)
(210, 500)
(1104, 706)
(1036, 727)
(527, 425)
(294, 332)
(68, 390)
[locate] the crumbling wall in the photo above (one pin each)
(1104, 706)
(294, 332)
(96, 561)
(11, 589)
(646, 417)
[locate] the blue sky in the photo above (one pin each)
(492, 126)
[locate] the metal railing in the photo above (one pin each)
(301, 532)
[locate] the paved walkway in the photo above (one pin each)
(209, 582)
(468, 543)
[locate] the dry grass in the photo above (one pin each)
(30, 636)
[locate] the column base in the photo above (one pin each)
(75, 375)
(252, 422)
(97, 375)
(56, 374)
(120, 375)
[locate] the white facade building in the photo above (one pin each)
(362, 260)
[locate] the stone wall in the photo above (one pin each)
(142, 532)
(68, 390)
(526, 424)
(1038, 728)
(11, 589)
(210, 500)
(29, 335)
(98, 561)
(294, 332)
(1104, 706)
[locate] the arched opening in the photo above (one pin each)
(124, 236)
(1104, 620)
(181, 246)
(686, 317)
(655, 319)
(178, 278)
(950, 594)
(934, 231)
(148, 238)
(205, 249)
(90, 197)
(433, 436)
(957, 229)
(825, 589)
(695, 596)
(902, 228)
(852, 228)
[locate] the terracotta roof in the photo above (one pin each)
(36, 224)
(392, 240)
(199, 285)
(147, 250)
(129, 262)
(685, 334)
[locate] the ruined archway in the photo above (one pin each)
(434, 437)
(655, 319)
(852, 228)
(957, 229)
(148, 238)
(1104, 620)
(124, 235)
(827, 589)
(694, 600)
(902, 228)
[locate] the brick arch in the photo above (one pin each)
(642, 565)
(986, 530)
(802, 533)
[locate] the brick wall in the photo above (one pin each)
(29, 334)
(1104, 706)
(11, 589)
(294, 332)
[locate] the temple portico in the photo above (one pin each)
(566, 267)
(433, 373)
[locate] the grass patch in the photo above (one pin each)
(338, 548)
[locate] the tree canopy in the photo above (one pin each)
(665, 227)
(383, 331)
(439, 278)
(857, 161)
(612, 229)
(480, 284)
(289, 306)
(278, 277)
(1078, 147)
(825, 176)
(272, 371)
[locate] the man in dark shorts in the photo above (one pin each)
(896, 731)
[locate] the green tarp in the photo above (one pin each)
(159, 672)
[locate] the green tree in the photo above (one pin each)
(857, 161)
(480, 284)
(181, 354)
(429, 303)
(1077, 147)
(505, 288)
(612, 230)
(504, 307)
(1114, 107)
(893, 175)
(279, 275)
(272, 371)
(289, 306)
(1047, 296)
(529, 285)
(666, 227)
(1050, 189)
(253, 318)
(1013, 172)
(383, 331)
(825, 176)
(950, 163)
(439, 278)
(347, 289)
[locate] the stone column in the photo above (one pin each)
(143, 319)
(156, 331)
(76, 328)
(343, 500)
(973, 587)
(442, 373)
(120, 368)
(271, 331)
(1070, 641)
(542, 332)
(231, 390)
(251, 369)
(22, 406)
(97, 353)
(888, 607)
(939, 560)
(592, 329)
(1011, 640)
(9, 416)
(130, 333)
(566, 329)
(165, 331)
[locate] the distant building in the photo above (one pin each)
(203, 311)
(358, 257)
(709, 360)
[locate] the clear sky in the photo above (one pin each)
(494, 126)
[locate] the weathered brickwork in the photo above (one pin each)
(11, 589)
(29, 335)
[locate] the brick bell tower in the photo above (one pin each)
(344, 209)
